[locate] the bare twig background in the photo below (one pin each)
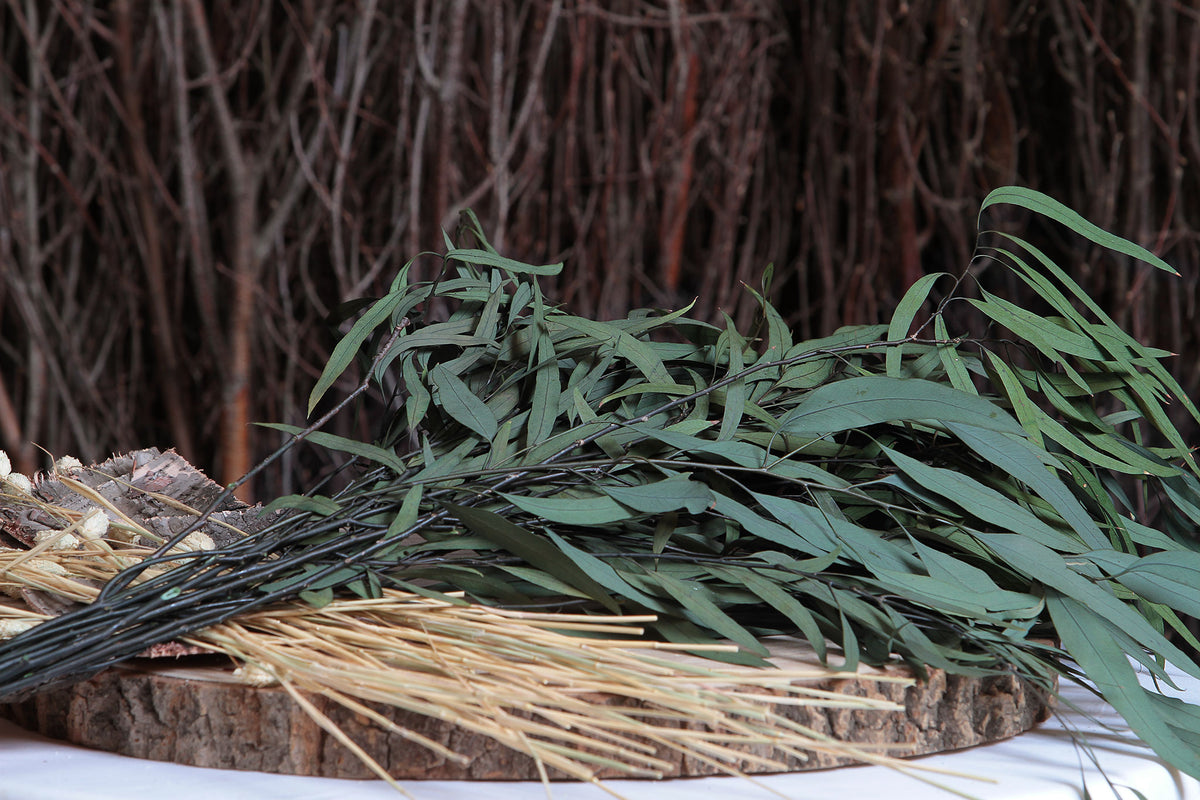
(187, 188)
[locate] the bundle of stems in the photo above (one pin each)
(578, 693)
(954, 501)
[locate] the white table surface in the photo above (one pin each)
(1043, 764)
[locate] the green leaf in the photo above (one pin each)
(873, 399)
(776, 596)
(348, 346)
(1151, 537)
(670, 389)
(1022, 460)
(419, 397)
(532, 548)
(406, 516)
(500, 450)
(770, 531)
(539, 578)
(543, 408)
(447, 464)
(957, 572)
(317, 504)
(663, 530)
(1047, 206)
(1056, 431)
(486, 258)
(902, 318)
(662, 496)
(605, 575)
(487, 320)
(344, 445)
(318, 598)
(1088, 638)
(452, 333)
(290, 580)
(952, 359)
(845, 336)
(735, 393)
(1155, 368)
(983, 502)
(1027, 413)
(849, 642)
(950, 596)
(462, 404)
(1171, 578)
(779, 335)
(638, 353)
(696, 599)
(1050, 339)
(572, 508)
(680, 631)
(1046, 566)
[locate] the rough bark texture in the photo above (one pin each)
(159, 490)
(202, 717)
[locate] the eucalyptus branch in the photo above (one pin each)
(127, 577)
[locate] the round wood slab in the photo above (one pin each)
(200, 715)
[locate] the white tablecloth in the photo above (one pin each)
(1043, 764)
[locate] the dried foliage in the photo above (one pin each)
(187, 188)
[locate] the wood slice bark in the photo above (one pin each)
(202, 716)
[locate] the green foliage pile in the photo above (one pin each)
(933, 497)
(960, 502)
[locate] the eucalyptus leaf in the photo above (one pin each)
(902, 318)
(672, 494)
(348, 346)
(532, 548)
(1088, 638)
(572, 509)
(695, 599)
(488, 258)
(342, 444)
(463, 405)
(875, 399)
(1049, 207)
(313, 504)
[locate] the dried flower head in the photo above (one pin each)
(11, 627)
(5, 465)
(254, 675)
(94, 525)
(59, 540)
(196, 541)
(68, 464)
(20, 483)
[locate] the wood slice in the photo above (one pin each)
(202, 716)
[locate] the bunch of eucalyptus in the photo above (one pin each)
(894, 491)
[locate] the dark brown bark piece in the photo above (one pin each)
(202, 717)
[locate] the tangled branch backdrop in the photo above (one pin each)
(187, 189)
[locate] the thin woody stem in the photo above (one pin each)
(125, 578)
